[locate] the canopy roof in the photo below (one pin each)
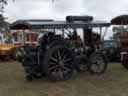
(120, 20)
(51, 24)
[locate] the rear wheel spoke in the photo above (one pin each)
(53, 67)
(59, 56)
(67, 60)
(67, 69)
(54, 59)
(64, 57)
(63, 53)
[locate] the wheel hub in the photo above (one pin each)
(61, 63)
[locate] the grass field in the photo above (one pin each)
(113, 83)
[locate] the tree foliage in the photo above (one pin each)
(117, 31)
(3, 3)
(4, 26)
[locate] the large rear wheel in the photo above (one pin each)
(58, 63)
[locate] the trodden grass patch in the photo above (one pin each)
(113, 83)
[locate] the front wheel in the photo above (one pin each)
(82, 65)
(97, 63)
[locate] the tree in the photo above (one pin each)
(117, 32)
(2, 5)
(4, 26)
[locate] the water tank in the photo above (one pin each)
(79, 18)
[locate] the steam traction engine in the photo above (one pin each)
(60, 50)
(122, 22)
